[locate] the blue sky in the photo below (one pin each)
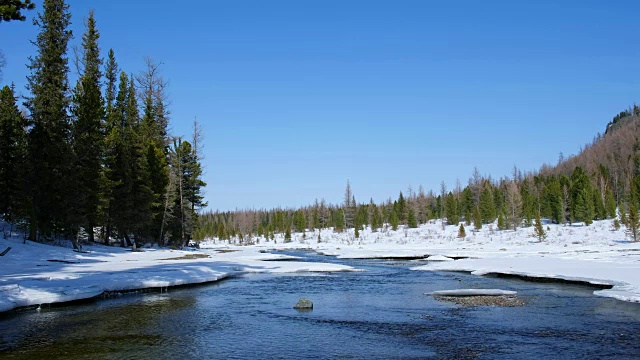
(296, 96)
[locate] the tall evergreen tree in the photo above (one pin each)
(49, 148)
(13, 157)
(112, 127)
(394, 220)
(487, 205)
(87, 134)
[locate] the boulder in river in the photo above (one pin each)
(304, 304)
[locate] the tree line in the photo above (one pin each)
(94, 160)
(601, 182)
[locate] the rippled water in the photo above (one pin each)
(380, 314)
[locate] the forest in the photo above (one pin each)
(93, 161)
(601, 182)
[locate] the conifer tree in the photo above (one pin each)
(538, 229)
(11, 10)
(412, 222)
(87, 135)
(49, 148)
(461, 232)
(487, 205)
(339, 221)
(502, 224)
(287, 234)
(111, 129)
(632, 220)
(402, 208)
(451, 209)
(394, 220)
(610, 204)
(477, 219)
(13, 158)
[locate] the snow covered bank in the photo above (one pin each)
(597, 254)
(33, 274)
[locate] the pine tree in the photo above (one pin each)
(287, 234)
(502, 224)
(111, 131)
(11, 10)
(402, 208)
(461, 232)
(538, 229)
(477, 219)
(412, 222)
(339, 221)
(87, 135)
(487, 205)
(49, 148)
(610, 204)
(153, 131)
(13, 158)
(451, 209)
(632, 220)
(394, 221)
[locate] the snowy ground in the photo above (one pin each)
(32, 273)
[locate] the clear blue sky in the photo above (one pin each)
(296, 96)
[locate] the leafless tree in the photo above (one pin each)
(514, 205)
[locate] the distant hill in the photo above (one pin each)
(613, 155)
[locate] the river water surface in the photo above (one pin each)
(378, 314)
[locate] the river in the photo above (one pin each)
(378, 314)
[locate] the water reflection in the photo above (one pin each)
(381, 313)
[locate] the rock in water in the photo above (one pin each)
(304, 304)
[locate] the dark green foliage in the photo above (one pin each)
(339, 221)
(477, 219)
(551, 201)
(49, 144)
(487, 205)
(87, 134)
(633, 221)
(287, 235)
(401, 209)
(12, 9)
(13, 157)
(412, 221)
(394, 221)
(299, 221)
(582, 208)
(451, 209)
(466, 204)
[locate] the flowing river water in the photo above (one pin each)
(378, 314)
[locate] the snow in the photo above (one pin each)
(472, 292)
(596, 254)
(29, 277)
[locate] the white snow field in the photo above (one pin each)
(33, 273)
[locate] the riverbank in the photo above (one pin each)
(33, 274)
(597, 254)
